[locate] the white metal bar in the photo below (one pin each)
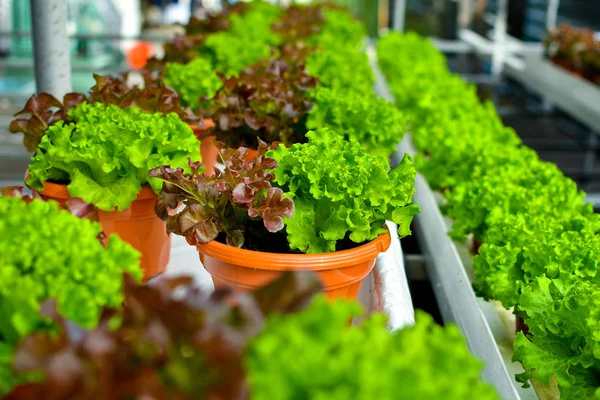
(399, 15)
(465, 13)
(51, 47)
(552, 14)
(499, 50)
(570, 93)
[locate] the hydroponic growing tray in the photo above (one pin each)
(448, 264)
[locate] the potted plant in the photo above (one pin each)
(101, 153)
(317, 206)
(46, 253)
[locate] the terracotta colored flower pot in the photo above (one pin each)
(138, 225)
(340, 272)
(207, 149)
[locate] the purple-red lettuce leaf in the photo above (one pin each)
(226, 202)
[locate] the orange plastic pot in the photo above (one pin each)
(208, 151)
(137, 225)
(340, 272)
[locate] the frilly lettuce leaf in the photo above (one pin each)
(339, 190)
(104, 156)
(563, 319)
(374, 122)
(195, 81)
(521, 247)
(357, 362)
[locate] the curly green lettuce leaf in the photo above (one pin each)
(374, 122)
(511, 190)
(341, 191)
(248, 39)
(427, 361)
(195, 81)
(104, 155)
(521, 247)
(564, 340)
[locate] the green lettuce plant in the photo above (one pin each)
(195, 81)
(521, 247)
(340, 191)
(540, 241)
(49, 253)
(374, 122)
(103, 153)
(339, 70)
(338, 59)
(315, 355)
(563, 344)
(248, 39)
(511, 190)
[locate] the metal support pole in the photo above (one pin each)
(51, 47)
(552, 14)
(499, 51)
(399, 15)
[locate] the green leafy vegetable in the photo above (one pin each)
(316, 355)
(540, 247)
(564, 342)
(248, 39)
(511, 190)
(340, 191)
(105, 153)
(195, 81)
(47, 253)
(521, 247)
(374, 122)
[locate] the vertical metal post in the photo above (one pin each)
(499, 50)
(464, 14)
(552, 14)
(51, 47)
(399, 15)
